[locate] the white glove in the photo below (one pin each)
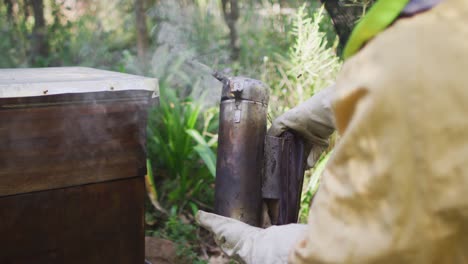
(249, 244)
(313, 120)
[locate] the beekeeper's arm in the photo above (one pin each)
(312, 120)
(367, 209)
(392, 191)
(249, 244)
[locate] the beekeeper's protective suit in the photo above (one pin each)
(396, 188)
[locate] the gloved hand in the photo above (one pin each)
(313, 120)
(249, 244)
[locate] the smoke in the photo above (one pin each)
(187, 35)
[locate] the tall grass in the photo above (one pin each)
(309, 65)
(182, 157)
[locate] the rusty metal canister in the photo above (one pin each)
(242, 129)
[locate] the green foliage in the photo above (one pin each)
(311, 184)
(263, 33)
(204, 150)
(310, 65)
(207, 37)
(13, 40)
(185, 237)
(151, 187)
(176, 155)
(365, 4)
(71, 41)
(86, 46)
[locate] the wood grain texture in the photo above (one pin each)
(62, 144)
(95, 223)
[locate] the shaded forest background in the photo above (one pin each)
(288, 44)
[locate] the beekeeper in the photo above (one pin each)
(396, 188)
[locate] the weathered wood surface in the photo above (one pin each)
(56, 146)
(29, 82)
(93, 224)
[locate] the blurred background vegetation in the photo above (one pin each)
(288, 44)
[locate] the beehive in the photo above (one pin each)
(72, 163)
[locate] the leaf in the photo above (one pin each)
(204, 151)
(196, 136)
(207, 155)
(151, 188)
(193, 115)
(314, 183)
(213, 141)
(194, 208)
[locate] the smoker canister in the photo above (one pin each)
(242, 129)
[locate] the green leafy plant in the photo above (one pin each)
(184, 235)
(151, 187)
(311, 185)
(364, 4)
(182, 157)
(311, 64)
(204, 150)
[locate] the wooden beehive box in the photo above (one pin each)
(72, 163)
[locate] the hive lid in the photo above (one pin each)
(32, 82)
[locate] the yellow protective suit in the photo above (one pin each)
(396, 188)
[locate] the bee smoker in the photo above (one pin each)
(252, 167)
(242, 130)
